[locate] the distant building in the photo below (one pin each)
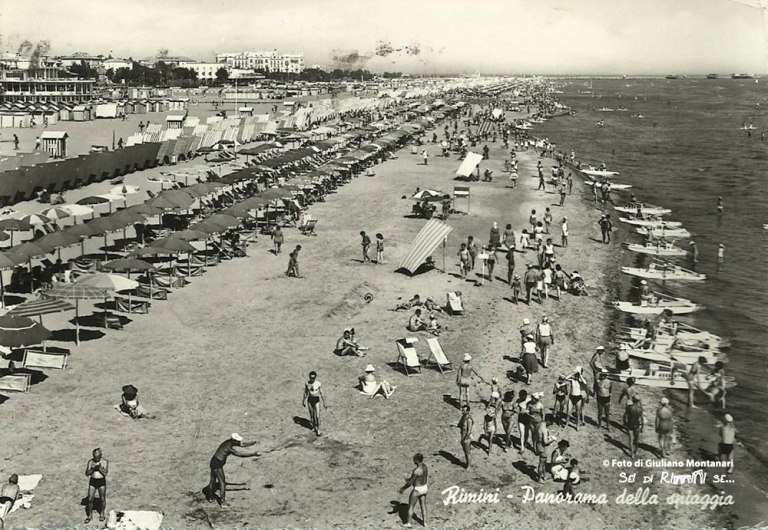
(171, 60)
(205, 71)
(40, 85)
(116, 64)
(266, 61)
(92, 61)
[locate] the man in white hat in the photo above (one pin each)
(664, 426)
(231, 446)
(371, 386)
(646, 295)
(727, 441)
(525, 330)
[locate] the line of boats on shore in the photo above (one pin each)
(669, 347)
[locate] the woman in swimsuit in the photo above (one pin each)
(576, 386)
(489, 425)
(692, 377)
(664, 426)
(522, 417)
(508, 411)
(464, 378)
(312, 395)
(97, 469)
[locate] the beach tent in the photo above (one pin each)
(427, 240)
(469, 164)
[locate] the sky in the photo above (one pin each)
(631, 37)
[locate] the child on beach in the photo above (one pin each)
(379, 249)
(464, 260)
(547, 220)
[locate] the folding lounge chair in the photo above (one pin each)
(189, 270)
(441, 360)
(308, 228)
(454, 305)
(200, 259)
(15, 382)
(45, 359)
(125, 305)
(407, 356)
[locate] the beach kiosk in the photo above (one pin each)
(54, 143)
(245, 112)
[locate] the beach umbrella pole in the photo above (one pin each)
(77, 321)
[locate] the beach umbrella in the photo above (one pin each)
(7, 261)
(223, 220)
(40, 307)
(105, 280)
(21, 331)
(427, 194)
(172, 244)
(36, 219)
(189, 235)
(14, 225)
(180, 197)
(166, 203)
(128, 265)
(274, 193)
(4, 236)
(105, 225)
(209, 228)
(56, 213)
(76, 292)
(144, 209)
(100, 199)
(152, 251)
(59, 239)
(30, 250)
(77, 210)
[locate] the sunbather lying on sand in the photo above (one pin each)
(413, 302)
(371, 387)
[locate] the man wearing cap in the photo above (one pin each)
(597, 365)
(464, 378)
(228, 447)
(664, 426)
(9, 494)
(633, 423)
(530, 279)
(525, 330)
(371, 386)
(727, 441)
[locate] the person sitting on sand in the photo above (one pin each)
(415, 323)
(413, 302)
(9, 494)
(347, 346)
(434, 326)
(130, 403)
(558, 460)
(371, 386)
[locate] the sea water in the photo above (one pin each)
(688, 149)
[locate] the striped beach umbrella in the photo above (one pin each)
(56, 213)
(76, 292)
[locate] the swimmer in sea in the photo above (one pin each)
(418, 482)
(664, 426)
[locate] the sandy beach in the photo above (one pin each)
(231, 352)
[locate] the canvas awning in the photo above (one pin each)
(469, 164)
(427, 240)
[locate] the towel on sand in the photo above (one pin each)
(27, 484)
(138, 520)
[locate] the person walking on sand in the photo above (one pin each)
(564, 232)
(15, 142)
(366, 244)
(547, 220)
(533, 220)
(293, 263)
(664, 426)
(379, 249)
(464, 378)
(530, 279)
(561, 190)
(465, 261)
(418, 482)
(465, 426)
(313, 393)
(472, 249)
(570, 183)
(546, 339)
(727, 433)
(633, 423)
(508, 411)
(606, 227)
(218, 479)
(425, 156)
(510, 264)
(96, 470)
(277, 239)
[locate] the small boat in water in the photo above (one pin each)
(713, 76)
(682, 357)
(614, 185)
(660, 376)
(664, 271)
(742, 76)
(643, 209)
(678, 306)
(679, 233)
(666, 249)
(681, 336)
(650, 221)
(598, 173)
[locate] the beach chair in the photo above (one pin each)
(407, 356)
(126, 305)
(454, 304)
(186, 269)
(206, 261)
(437, 352)
(34, 358)
(15, 382)
(308, 228)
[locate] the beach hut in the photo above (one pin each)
(81, 113)
(175, 122)
(245, 112)
(54, 143)
(106, 110)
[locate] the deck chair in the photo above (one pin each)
(308, 228)
(199, 259)
(186, 269)
(454, 304)
(45, 359)
(158, 293)
(125, 305)
(15, 382)
(407, 356)
(437, 352)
